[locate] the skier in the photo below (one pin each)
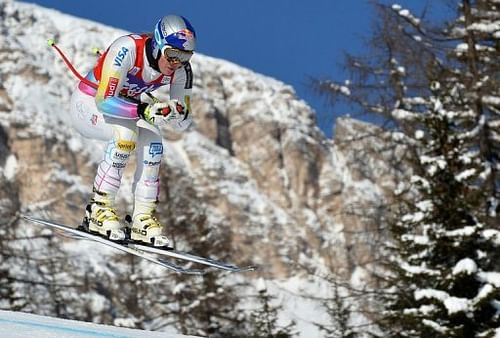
(132, 65)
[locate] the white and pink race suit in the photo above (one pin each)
(110, 113)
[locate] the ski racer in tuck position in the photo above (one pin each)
(133, 65)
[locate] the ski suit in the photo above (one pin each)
(110, 113)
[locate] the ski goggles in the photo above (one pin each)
(175, 56)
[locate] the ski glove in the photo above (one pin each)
(163, 112)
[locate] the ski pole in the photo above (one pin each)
(52, 43)
(68, 63)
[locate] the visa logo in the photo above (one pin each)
(120, 56)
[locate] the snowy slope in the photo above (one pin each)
(24, 325)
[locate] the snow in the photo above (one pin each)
(422, 269)
(431, 294)
(419, 134)
(484, 292)
(413, 218)
(425, 206)
(490, 27)
(465, 174)
(433, 163)
(492, 100)
(261, 285)
(434, 325)
(455, 304)
(465, 231)
(466, 265)
(402, 114)
(297, 295)
(490, 277)
(417, 239)
(24, 325)
(405, 13)
(458, 304)
(492, 235)
(452, 304)
(10, 168)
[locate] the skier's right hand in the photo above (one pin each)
(160, 112)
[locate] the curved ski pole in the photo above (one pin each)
(68, 63)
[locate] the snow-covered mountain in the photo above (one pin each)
(255, 162)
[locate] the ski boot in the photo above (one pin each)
(101, 218)
(146, 228)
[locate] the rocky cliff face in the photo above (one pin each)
(255, 161)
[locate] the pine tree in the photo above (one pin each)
(340, 308)
(10, 298)
(447, 232)
(438, 92)
(263, 321)
(205, 305)
(46, 274)
(444, 257)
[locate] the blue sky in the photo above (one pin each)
(289, 40)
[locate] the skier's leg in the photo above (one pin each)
(121, 136)
(146, 227)
(101, 210)
(116, 155)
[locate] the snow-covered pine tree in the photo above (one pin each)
(374, 87)
(445, 259)
(206, 305)
(132, 292)
(340, 309)
(56, 288)
(263, 321)
(9, 297)
(445, 255)
(437, 91)
(478, 53)
(9, 206)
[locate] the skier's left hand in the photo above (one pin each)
(177, 111)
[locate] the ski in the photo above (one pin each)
(148, 252)
(125, 247)
(191, 258)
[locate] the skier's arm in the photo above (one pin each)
(180, 90)
(118, 61)
(176, 112)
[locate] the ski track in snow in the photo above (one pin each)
(24, 325)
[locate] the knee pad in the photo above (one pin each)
(146, 180)
(121, 146)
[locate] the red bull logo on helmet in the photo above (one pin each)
(186, 33)
(182, 39)
(187, 36)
